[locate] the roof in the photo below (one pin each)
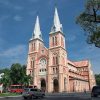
(81, 63)
(70, 62)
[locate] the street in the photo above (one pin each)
(59, 96)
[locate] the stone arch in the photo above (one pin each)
(43, 84)
(55, 85)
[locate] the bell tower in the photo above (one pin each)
(57, 56)
(34, 46)
(56, 35)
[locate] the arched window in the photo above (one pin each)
(53, 61)
(34, 46)
(56, 70)
(42, 66)
(53, 70)
(31, 64)
(56, 40)
(56, 60)
(53, 41)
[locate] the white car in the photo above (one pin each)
(32, 92)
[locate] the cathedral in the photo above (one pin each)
(50, 68)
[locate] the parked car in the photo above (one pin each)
(32, 92)
(95, 91)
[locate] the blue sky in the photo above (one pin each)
(17, 19)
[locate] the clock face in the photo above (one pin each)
(43, 63)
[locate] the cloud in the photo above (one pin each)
(71, 38)
(12, 55)
(18, 18)
(15, 51)
(6, 3)
(18, 7)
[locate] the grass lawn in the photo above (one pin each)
(8, 94)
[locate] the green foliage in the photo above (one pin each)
(89, 20)
(8, 94)
(97, 77)
(15, 75)
(6, 78)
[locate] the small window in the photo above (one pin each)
(30, 72)
(42, 70)
(53, 70)
(42, 51)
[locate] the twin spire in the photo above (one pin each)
(55, 28)
(37, 31)
(56, 23)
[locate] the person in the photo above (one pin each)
(84, 90)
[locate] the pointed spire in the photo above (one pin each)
(57, 26)
(37, 32)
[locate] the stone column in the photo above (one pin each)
(61, 83)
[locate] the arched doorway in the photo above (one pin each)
(43, 84)
(55, 85)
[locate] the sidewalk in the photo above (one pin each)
(68, 94)
(10, 96)
(58, 94)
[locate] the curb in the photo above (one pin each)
(11, 96)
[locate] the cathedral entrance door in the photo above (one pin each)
(43, 84)
(55, 85)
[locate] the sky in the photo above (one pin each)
(17, 20)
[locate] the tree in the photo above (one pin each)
(89, 20)
(26, 78)
(15, 75)
(18, 74)
(6, 80)
(97, 77)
